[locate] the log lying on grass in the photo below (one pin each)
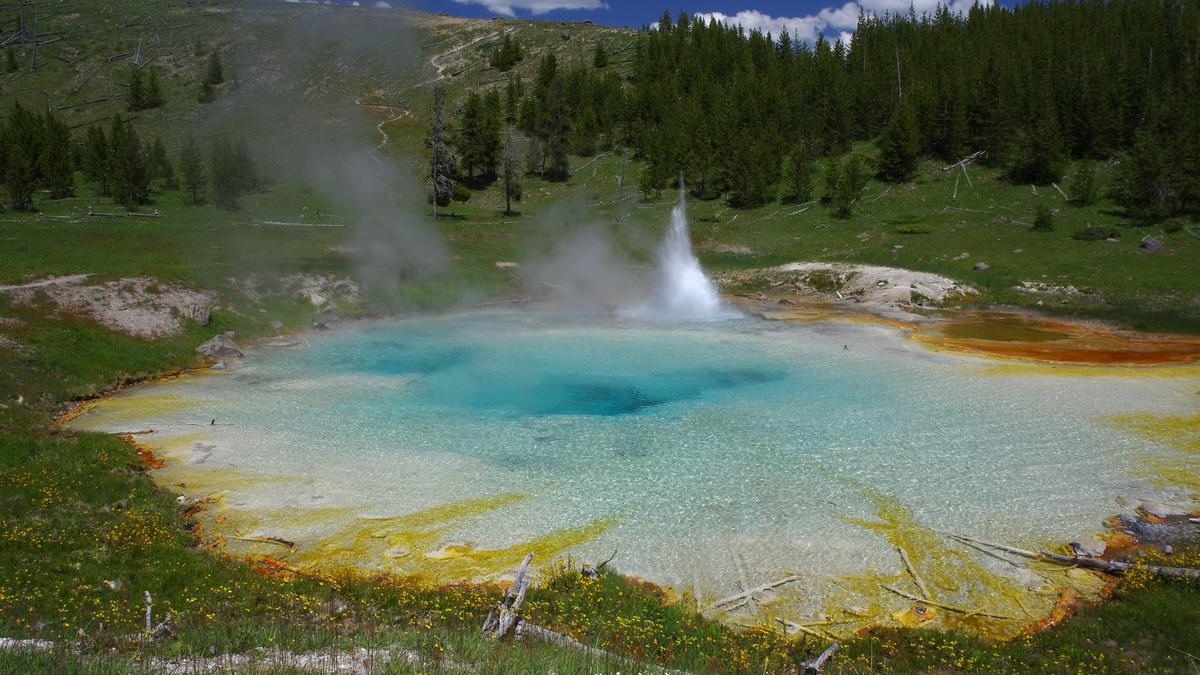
(1110, 566)
(499, 625)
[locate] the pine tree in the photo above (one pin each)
(154, 93)
(245, 173)
(1143, 182)
(1082, 185)
(191, 165)
(23, 137)
(20, 177)
(801, 183)
(1038, 157)
(468, 139)
(507, 55)
(137, 91)
(160, 164)
(600, 57)
(223, 167)
(556, 134)
(215, 73)
(55, 167)
(513, 93)
(844, 180)
(95, 157)
(207, 93)
(130, 177)
(490, 128)
(511, 170)
(898, 146)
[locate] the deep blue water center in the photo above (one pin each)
(558, 374)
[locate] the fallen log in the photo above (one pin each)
(748, 593)
(952, 608)
(913, 572)
(965, 160)
(533, 630)
(1110, 566)
(279, 541)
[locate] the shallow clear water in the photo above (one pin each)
(726, 453)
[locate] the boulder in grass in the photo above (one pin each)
(981, 266)
(220, 348)
(1151, 244)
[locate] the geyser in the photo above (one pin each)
(684, 292)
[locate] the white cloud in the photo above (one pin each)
(841, 20)
(535, 7)
(803, 28)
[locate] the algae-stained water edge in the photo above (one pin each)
(711, 456)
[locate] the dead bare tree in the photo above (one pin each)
(441, 163)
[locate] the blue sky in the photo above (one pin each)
(804, 19)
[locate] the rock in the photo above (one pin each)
(962, 256)
(1152, 244)
(1018, 250)
(505, 264)
(981, 266)
(1160, 510)
(277, 325)
(315, 299)
(220, 347)
(1112, 240)
(1090, 548)
(219, 365)
(1168, 549)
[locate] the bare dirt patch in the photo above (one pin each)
(138, 306)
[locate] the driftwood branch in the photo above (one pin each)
(757, 589)
(814, 667)
(952, 608)
(533, 630)
(913, 572)
(1110, 566)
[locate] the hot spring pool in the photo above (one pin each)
(712, 457)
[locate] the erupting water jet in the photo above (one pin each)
(684, 292)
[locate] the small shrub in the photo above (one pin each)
(1043, 218)
(1081, 188)
(914, 229)
(1095, 233)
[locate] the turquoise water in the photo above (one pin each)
(728, 453)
